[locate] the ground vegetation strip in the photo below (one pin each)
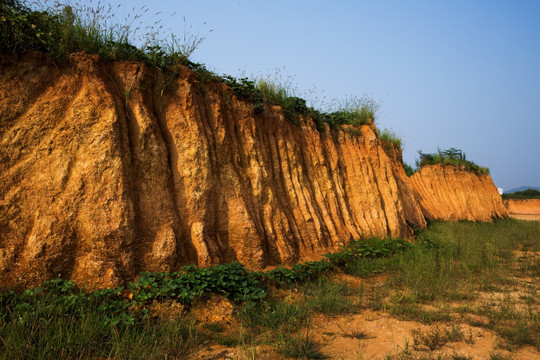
(453, 282)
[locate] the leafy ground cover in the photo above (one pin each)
(454, 276)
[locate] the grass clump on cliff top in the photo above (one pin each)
(389, 137)
(64, 28)
(354, 111)
(390, 140)
(452, 156)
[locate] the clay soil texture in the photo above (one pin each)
(523, 209)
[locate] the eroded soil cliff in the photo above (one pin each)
(525, 209)
(450, 193)
(108, 169)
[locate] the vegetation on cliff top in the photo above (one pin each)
(452, 156)
(66, 28)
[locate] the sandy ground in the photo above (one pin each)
(530, 217)
(371, 334)
(376, 335)
(386, 337)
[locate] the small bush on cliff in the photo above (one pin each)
(451, 156)
(246, 89)
(409, 170)
(353, 111)
(274, 93)
(390, 141)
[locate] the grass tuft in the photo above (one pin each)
(303, 348)
(389, 140)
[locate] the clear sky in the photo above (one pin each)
(462, 74)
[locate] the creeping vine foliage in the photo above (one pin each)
(232, 280)
(128, 305)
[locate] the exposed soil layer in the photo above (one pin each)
(108, 169)
(450, 193)
(525, 209)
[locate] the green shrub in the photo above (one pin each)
(452, 156)
(246, 89)
(408, 169)
(353, 111)
(275, 94)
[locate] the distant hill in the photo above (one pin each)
(521, 188)
(526, 194)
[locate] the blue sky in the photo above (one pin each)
(462, 74)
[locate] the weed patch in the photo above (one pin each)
(452, 156)
(302, 348)
(436, 338)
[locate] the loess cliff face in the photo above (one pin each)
(108, 169)
(524, 209)
(450, 193)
